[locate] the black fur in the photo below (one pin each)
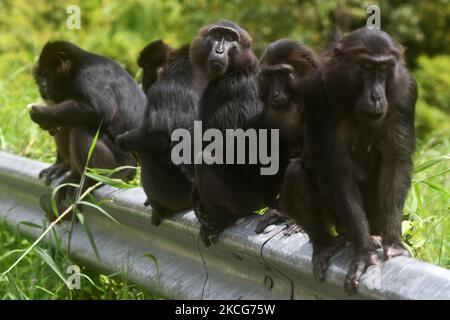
(356, 170)
(286, 66)
(85, 90)
(230, 100)
(172, 102)
(151, 58)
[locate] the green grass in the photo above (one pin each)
(427, 228)
(39, 275)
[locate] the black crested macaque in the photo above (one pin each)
(151, 59)
(285, 68)
(84, 90)
(172, 102)
(226, 72)
(356, 170)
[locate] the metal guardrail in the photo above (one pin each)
(241, 265)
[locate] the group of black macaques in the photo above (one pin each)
(345, 120)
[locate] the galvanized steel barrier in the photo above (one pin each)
(241, 265)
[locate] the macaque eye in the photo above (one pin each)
(367, 65)
(386, 66)
(230, 37)
(216, 33)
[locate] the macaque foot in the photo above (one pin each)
(377, 242)
(53, 172)
(394, 250)
(357, 268)
(322, 255)
(272, 216)
(291, 229)
(156, 218)
(207, 236)
(158, 212)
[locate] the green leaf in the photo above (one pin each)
(50, 262)
(30, 224)
(82, 275)
(11, 252)
(430, 163)
(53, 196)
(88, 231)
(101, 171)
(85, 203)
(94, 142)
(261, 211)
(154, 259)
(45, 290)
(441, 173)
(436, 187)
(116, 183)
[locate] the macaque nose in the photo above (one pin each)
(219, 47)
(375, 97)
(276, 94)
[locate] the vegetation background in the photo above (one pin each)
(120, 29)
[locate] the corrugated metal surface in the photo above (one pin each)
(242, 265)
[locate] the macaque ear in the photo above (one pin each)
(308, 61)
(62, 56)
(64, 63)
(337, 49)
(154, 55)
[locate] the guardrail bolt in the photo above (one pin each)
(268, 282)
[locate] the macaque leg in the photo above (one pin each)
(167, 190)
(105, 155)
(132, 140)
(142, 140)
(299, 201)
(219, 203)
(67, 113)
(349, 206)
(62, 163)
(394, 184)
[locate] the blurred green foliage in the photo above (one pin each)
(433, 75)
(121, 29)
(433, 106)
